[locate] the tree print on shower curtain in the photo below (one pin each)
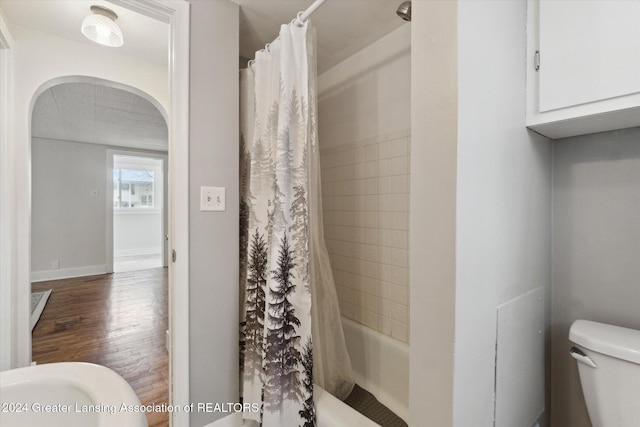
(245, 162)
(300, 229)
(282, 354)
(255, 305)
(308, 411)
(276, 343)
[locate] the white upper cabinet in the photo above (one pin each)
(589, 66)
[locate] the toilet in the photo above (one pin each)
(609, 366)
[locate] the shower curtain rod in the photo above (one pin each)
(301, 17)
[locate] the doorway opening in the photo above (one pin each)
(52, 69)
(99, 189)
(138, 212)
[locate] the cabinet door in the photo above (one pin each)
(589, 51)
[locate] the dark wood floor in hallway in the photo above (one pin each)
(116, 320)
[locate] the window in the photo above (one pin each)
(133, 188)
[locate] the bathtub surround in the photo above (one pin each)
(366, 209)
(596, 247)
(380, 365)
(364, 121)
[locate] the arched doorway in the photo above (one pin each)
(82, 132)
(41, 61)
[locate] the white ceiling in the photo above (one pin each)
(84, 112)
(343, 27)
(97, 114)
(104, 115)
(145, 38)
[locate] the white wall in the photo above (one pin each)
(596, 249)
(8, 252)
(434, 130)
(67, 223)
(503, 197)
(213, 236)
(480, 205)
(140, 231)
(368, 95)
(137, 233)
(364, 131)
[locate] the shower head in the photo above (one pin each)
(404, 11)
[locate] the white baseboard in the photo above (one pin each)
(137, 251)
(67, 273)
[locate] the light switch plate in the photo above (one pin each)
(212, 199)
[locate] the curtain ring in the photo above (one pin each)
(266, 48)
(250, 64)
(298, 21)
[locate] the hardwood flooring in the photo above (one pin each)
(116, 320)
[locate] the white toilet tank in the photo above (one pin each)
(609, 366)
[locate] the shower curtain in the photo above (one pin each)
(290, 331)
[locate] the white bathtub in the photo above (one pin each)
(380, 365)
(68, 394)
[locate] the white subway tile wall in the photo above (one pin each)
(365, 196)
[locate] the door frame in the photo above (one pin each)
(177, 14)
(13, 342)
(15, 210)
(110, 213)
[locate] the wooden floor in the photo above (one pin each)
(116, 320)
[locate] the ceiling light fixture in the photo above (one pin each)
(101, 27)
